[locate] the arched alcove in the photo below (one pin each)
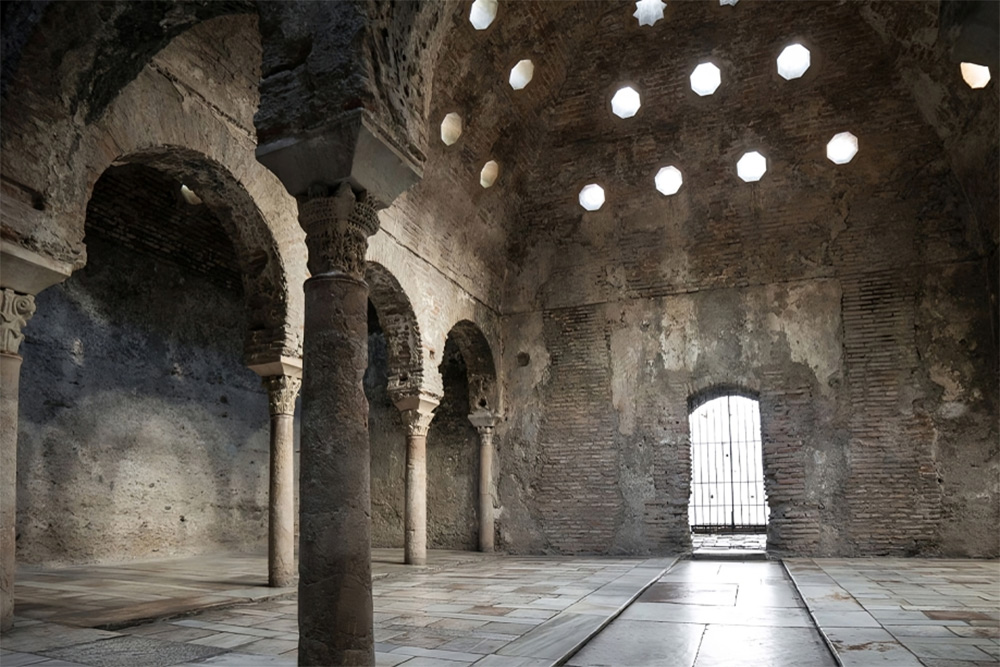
(142, 432)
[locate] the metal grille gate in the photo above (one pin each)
(727, 471)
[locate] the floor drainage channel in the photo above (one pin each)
(559, 638)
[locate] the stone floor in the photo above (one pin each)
(904, 612)
(711, 614)
(462, 609)
(466, 608)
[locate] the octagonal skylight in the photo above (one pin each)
(793, 61)
(705, 79)
(669, 180)
(649, 11)
(625, 103)
(488, 176)
(592, 197)
(977, 76)
(731, 3)
(451, 128)
(842, 148)
(751, 166)
(482, 13)
(521, 74)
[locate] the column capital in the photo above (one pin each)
(484, 420)
(15, 311)
(417, 411)
(281, 393)
(337, 222)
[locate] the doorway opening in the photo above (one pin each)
(728, 506)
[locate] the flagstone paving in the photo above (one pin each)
(904, 612)
(461, 610)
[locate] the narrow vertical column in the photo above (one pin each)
(281, 393)
(335, 583)
(484, 421)
(15, 311)
(417, 412)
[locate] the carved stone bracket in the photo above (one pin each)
(417, 412)
(281, 393)
(337, 228)
(15, 311)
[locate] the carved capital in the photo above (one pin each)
(281, 393)
(15, 311)
(484, 421)
(337, 228)
(417, 412)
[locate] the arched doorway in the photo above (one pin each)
(727, 472)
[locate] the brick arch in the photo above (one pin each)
(402, 331)
(480, 365)
(702, 396)
(265, 283)
(167, 118)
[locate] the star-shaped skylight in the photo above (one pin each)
(649, 11)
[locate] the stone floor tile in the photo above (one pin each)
(14, 659)
(724, 645)
(224, 640)
(946, 651)
(128, 651)
(638, 643)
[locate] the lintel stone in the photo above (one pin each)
(29, 272)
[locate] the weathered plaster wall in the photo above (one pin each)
(387, 438)
(141, 432)
(452, 461)
(843, 295)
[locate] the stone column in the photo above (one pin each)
(335, 583)
(281, 393)
(417, 411)
(15, 311)
(484, 421)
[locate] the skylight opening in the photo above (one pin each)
(731, 3)
(669, 180)
(625, 103)
(592, 197)
(793, 62)
(649, 12)
(520, 75)
(451, 128)
(842, 148)
(482, 13)
(706, 79)
(488, 176)
(189, 196)
(977, 76)
(751, 167)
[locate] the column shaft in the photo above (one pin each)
(335, 587)
(10, 373)
(415, 538)
(486, 489)
(281, 509)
